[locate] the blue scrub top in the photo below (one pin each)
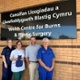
(46, 56)
(6, 52)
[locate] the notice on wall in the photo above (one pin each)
(55, 20)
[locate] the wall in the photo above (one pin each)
(67, 66)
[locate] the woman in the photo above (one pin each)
(6, 64)
(17, 58)
(46, 61)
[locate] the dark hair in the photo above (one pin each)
(33, 37)
(19, 41)
(9, 39)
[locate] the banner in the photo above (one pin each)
(56, 20)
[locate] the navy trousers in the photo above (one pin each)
(6, 73)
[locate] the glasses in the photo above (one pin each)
(18, 44)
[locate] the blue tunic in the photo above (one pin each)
(46, 56)
(6, 72)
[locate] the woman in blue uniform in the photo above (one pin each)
(46, 60)
(6, 65)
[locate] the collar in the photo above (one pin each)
(33, 45)
(45, 49)
(9, 47)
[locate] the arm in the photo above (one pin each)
(53, 62)
(22, 58)
(4, 58)
(27, 60)
(4, 61)
(43, 65)
(12, 56)
(13, 59)
(27, 56)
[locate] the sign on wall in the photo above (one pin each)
(56, 20)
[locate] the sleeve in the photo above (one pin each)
(39, 56)
(12, 55)
(23, 54)
(39, 46)
(53, 55)
(26, 53)
(3, 52)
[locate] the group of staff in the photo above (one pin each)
(40, 60)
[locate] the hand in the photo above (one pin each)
(22, 59)
(28, 63)
(15, 59)
(5, 65)
(47, 68)
(51, 68)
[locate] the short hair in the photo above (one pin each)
(9, 39)
(45, 39)
(33, 37)
(19, 41)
